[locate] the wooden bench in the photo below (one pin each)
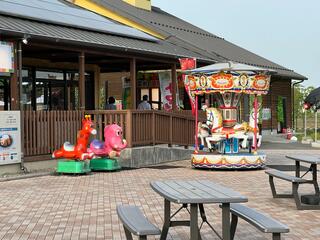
(134, 222)
(263, 222)
(295, 185)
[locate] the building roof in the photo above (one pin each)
(182, 33)
(67, 14)
(58, 33)
(61, 21)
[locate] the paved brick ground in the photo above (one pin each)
(67, 207)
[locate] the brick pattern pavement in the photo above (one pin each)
(84, 207)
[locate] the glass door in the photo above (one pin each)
(57, 96)
(155, 98)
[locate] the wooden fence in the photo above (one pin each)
(45, 131)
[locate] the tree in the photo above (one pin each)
(300, 94)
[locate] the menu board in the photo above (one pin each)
(10, 137)
(6, 57)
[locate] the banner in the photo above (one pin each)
(188, 64)
(6, 57)
(10, 141)
(166, 90)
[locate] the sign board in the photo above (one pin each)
(6, 57)
(266, 114)
(10, 137)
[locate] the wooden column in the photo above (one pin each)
(82, 81)
(14, 89)
(133, 79)
(174, 86)
(128, 129)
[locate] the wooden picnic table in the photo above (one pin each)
(314, 161)
(195, 193)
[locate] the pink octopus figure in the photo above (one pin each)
(112, 145)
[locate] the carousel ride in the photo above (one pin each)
(231, 145)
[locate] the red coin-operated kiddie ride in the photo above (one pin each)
(73, 157)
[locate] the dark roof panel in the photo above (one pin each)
(67, 14)
(84, 37)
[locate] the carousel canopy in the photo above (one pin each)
(230, 67)
(313, 99)
(229, 77)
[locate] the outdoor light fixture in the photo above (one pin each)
(25, 39)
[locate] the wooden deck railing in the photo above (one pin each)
(46, 131)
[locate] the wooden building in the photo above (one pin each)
(69, 56)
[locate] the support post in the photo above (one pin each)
(255, 122)
(82, 80)
(129, 128)
(316, 126)
(14, 90)
(174, 86)
(196, 124)
(305, 123)
(133, 79)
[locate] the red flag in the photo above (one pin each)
(188, 64)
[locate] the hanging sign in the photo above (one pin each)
(266, 114)
(10, 137)
(166, 90)
(6, 57)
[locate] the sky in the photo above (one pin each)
(286, 32)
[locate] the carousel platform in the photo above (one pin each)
(228, 161)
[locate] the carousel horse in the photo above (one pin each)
(241, 131)
(251, 128)
(214, 121)
(78, 151)
(203, 133)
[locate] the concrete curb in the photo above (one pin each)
(25, 176)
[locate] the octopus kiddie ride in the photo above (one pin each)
(106, 152)
(74, 158)
(231, 145)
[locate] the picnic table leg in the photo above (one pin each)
(194, 230)
(166, 223)
(297, 169)
(226, 221)
(315, 179)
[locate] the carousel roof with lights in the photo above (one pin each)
(229, 77)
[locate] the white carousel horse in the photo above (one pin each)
(245, 131)
(214, 121)
(251, 128)
(203, 133)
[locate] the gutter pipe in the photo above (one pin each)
(22, 167)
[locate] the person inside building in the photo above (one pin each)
(111, 105)
(144, 105)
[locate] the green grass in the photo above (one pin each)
(310, 134)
